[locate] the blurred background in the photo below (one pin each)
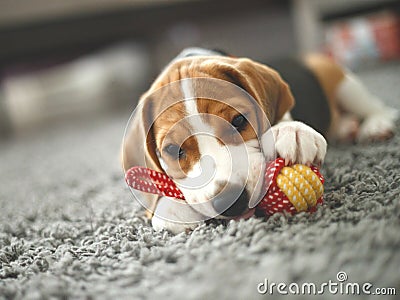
(81, 59)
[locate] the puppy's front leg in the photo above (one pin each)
(175, 216)
(295, 142)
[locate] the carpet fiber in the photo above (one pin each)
(70, 228)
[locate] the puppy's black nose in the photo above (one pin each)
(232, 202)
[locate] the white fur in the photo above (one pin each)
(297, 142)
(175, 216)
(287, 117)
(346, 128)
(234, 164)
(164, 166)
(195, 51)
(354, 97)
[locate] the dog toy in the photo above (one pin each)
(292, 189)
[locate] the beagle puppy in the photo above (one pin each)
(210, 122)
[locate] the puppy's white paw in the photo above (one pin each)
(346, 129)
(297, 142)
(378, 126)
(175, 216)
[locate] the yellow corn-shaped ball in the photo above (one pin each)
(301, 185)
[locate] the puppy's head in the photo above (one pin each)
(201, 123)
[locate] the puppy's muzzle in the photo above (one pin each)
(231, 202)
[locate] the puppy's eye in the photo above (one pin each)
(174, 151)
(239, 122)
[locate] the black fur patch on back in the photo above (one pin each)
(311, 102)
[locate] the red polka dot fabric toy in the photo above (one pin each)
(292, 189)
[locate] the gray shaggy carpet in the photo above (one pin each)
(69, 227)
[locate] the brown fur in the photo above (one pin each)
(329, 75)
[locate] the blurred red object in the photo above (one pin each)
(386, 29)
(362, 39)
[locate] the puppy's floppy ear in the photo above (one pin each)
(265, 84)
(139, 147)
(285, 100)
